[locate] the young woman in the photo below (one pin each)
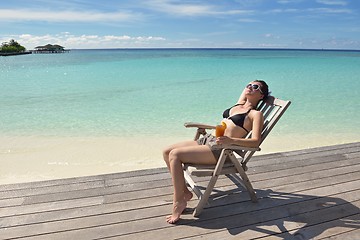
(240, 119)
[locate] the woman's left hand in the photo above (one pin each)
(224, 140)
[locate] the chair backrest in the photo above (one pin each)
(272, 109)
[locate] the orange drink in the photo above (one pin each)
(220, 129)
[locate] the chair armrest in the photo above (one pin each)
(235, 147)
(198, 125)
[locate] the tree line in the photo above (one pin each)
(11, 47)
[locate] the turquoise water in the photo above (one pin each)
(153, 92)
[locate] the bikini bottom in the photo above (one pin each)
(210, 140)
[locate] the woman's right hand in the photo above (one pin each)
(224, 140)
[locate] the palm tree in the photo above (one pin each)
(11, 46)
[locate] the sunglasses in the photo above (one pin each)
(254, 87)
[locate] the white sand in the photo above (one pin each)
(25, 159)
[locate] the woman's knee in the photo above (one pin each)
(168, 149)
(166, 152)
(174, 155)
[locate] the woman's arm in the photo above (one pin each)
(242, 98)
(254, 141)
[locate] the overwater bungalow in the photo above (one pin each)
(49, 48)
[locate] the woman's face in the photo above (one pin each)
(254, 88)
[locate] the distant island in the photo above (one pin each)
(12, 48)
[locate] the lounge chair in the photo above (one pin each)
(228, 164)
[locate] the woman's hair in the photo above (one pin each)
(264, 88)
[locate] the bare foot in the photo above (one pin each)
(178, 208)
(188, 195)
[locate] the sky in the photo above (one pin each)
(88, 24)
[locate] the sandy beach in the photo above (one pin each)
(25, 159)
(38, 158)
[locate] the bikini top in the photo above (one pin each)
(237, 119)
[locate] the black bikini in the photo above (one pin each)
(210, 140)
(237, 119)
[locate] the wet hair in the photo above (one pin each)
(264, 88)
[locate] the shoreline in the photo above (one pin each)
(29, 159)
(15, 53)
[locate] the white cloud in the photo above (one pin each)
(271, 45)
(70, 41)
(270, 35)
(179, 8)
(287, 10)
(248, 20)
(326, 2)
(332, 2)
(170, 7)
(311, 10)
(329, 10)
(330, 43)
(116, 38)
(65, 16)
(28, 39)
(289, 1)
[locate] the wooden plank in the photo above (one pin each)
(109, 219)
(239, 225)
(334, 229)
(295, 192)
(294, 185)
(66, 187)
(114, 182)
(350, 235)
(300, 166)
(341, 228)
(145, 205)
(93, 190)
(167, 198)
(53, 206)
(66, 181)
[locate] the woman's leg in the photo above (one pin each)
(200, 154)
(166, 152)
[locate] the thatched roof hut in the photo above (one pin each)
(49, 48)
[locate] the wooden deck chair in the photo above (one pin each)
(272, 110)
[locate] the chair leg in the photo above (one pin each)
(192, 184)
(204, 198)
(244, 177)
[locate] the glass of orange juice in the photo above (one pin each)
(220, 129)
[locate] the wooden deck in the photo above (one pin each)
(308, 194)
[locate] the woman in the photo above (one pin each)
(239, 119)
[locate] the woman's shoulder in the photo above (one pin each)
(254, 113)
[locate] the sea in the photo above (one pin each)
(151, 93)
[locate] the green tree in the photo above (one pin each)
(11, 46)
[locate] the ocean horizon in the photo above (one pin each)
(223, 48)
